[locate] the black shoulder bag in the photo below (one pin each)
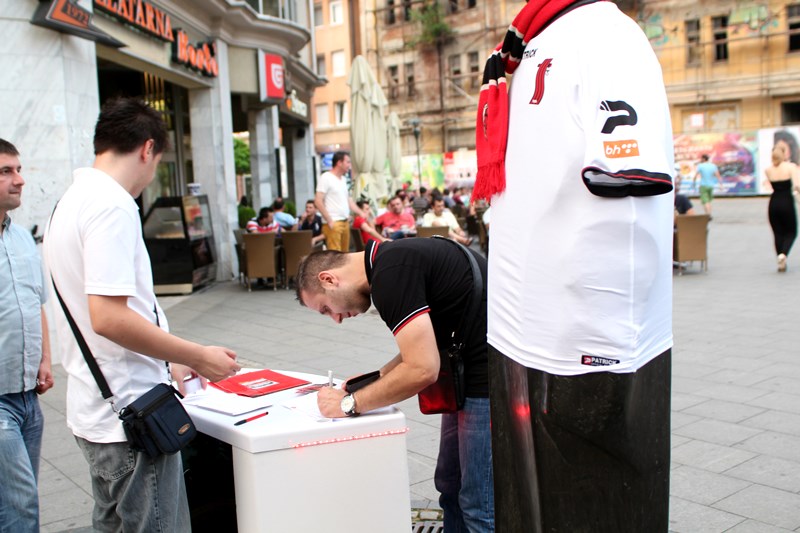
(155, 423)
(448, 394)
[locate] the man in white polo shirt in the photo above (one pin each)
(334, 204)
(579, 319)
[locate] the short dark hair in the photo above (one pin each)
(362, 203)
(264, 211)
(125, 124)
(310, 202)
(277, 204)
(704, 157)
(7, 148)
(436, 199)
(307, 277)
(338, 156)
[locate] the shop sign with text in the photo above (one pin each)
(66, 16)
(201, 57)
(140, 14)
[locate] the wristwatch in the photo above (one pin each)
(348, 405)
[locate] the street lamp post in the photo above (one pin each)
(415, 124)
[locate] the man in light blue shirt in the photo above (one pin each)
(709, 176)
(285, 220)
(24, 356)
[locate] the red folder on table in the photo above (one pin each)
(258, 383)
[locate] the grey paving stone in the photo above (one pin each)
(779, 422)
(707, 456)
(716, 431)
(769, 471)
(774, 444)
(690, 517)
(725, 411)
(765, 504)
(754, 526)
(701, 486)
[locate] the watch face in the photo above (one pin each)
(347, 405)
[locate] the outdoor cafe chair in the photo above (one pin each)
(691, 241)
(296, 245)
(443, 231)
(259, 253)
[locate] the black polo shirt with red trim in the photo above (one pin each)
(412, 277)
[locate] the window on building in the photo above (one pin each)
(322, 116)
(793, 21)
(411, 90)
(406, 10)
(720, 28)
(790, 113)
(321, 66)
(452, 6)
(318, 18)
(340, 112)
(338, 63)
(454, 62)
(475, 75)
(471, 4)
(390, 18)
(694, 50)
(336, 12)
(394, 82)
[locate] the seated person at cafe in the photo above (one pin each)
(437, 217)
(683, 206)
(311, 220)
(285, 220)
(263, 223)
(364, 224)
(396, 222)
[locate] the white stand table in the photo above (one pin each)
(293, 473)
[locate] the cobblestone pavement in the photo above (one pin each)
(735, 391)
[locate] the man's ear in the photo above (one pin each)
(328, 279)
(146, 151)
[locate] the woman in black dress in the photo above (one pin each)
(782, 175)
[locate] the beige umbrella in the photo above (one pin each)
(367, 130)
(394, 152)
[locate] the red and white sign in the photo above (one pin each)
(271, 77)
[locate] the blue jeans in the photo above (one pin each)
(464, 469)
(21, 425)
(134, 493)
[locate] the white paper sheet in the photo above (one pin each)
(226, 403)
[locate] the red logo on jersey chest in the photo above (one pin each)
(538, 92)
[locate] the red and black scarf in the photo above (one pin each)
(491, 134)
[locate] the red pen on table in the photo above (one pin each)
(254, 417)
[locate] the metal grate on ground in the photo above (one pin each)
(427, 527)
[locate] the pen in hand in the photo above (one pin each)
(254, 417)
(330, 378)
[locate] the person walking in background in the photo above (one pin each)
(783, 176)
(708, 173)
(101, 269)
(334, 203)
(24, 356)
(580, 305)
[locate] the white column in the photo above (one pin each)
(302, 154)
(212, 159)
(263, 163)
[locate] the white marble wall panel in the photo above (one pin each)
(212, 159)
(48, 105)
(263, 169)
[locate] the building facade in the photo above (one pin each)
(727, 65)
(337, 42)
(212, 67)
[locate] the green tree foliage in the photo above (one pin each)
(241, 156)
(434, 28)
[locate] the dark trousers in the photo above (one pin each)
(586, 453)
